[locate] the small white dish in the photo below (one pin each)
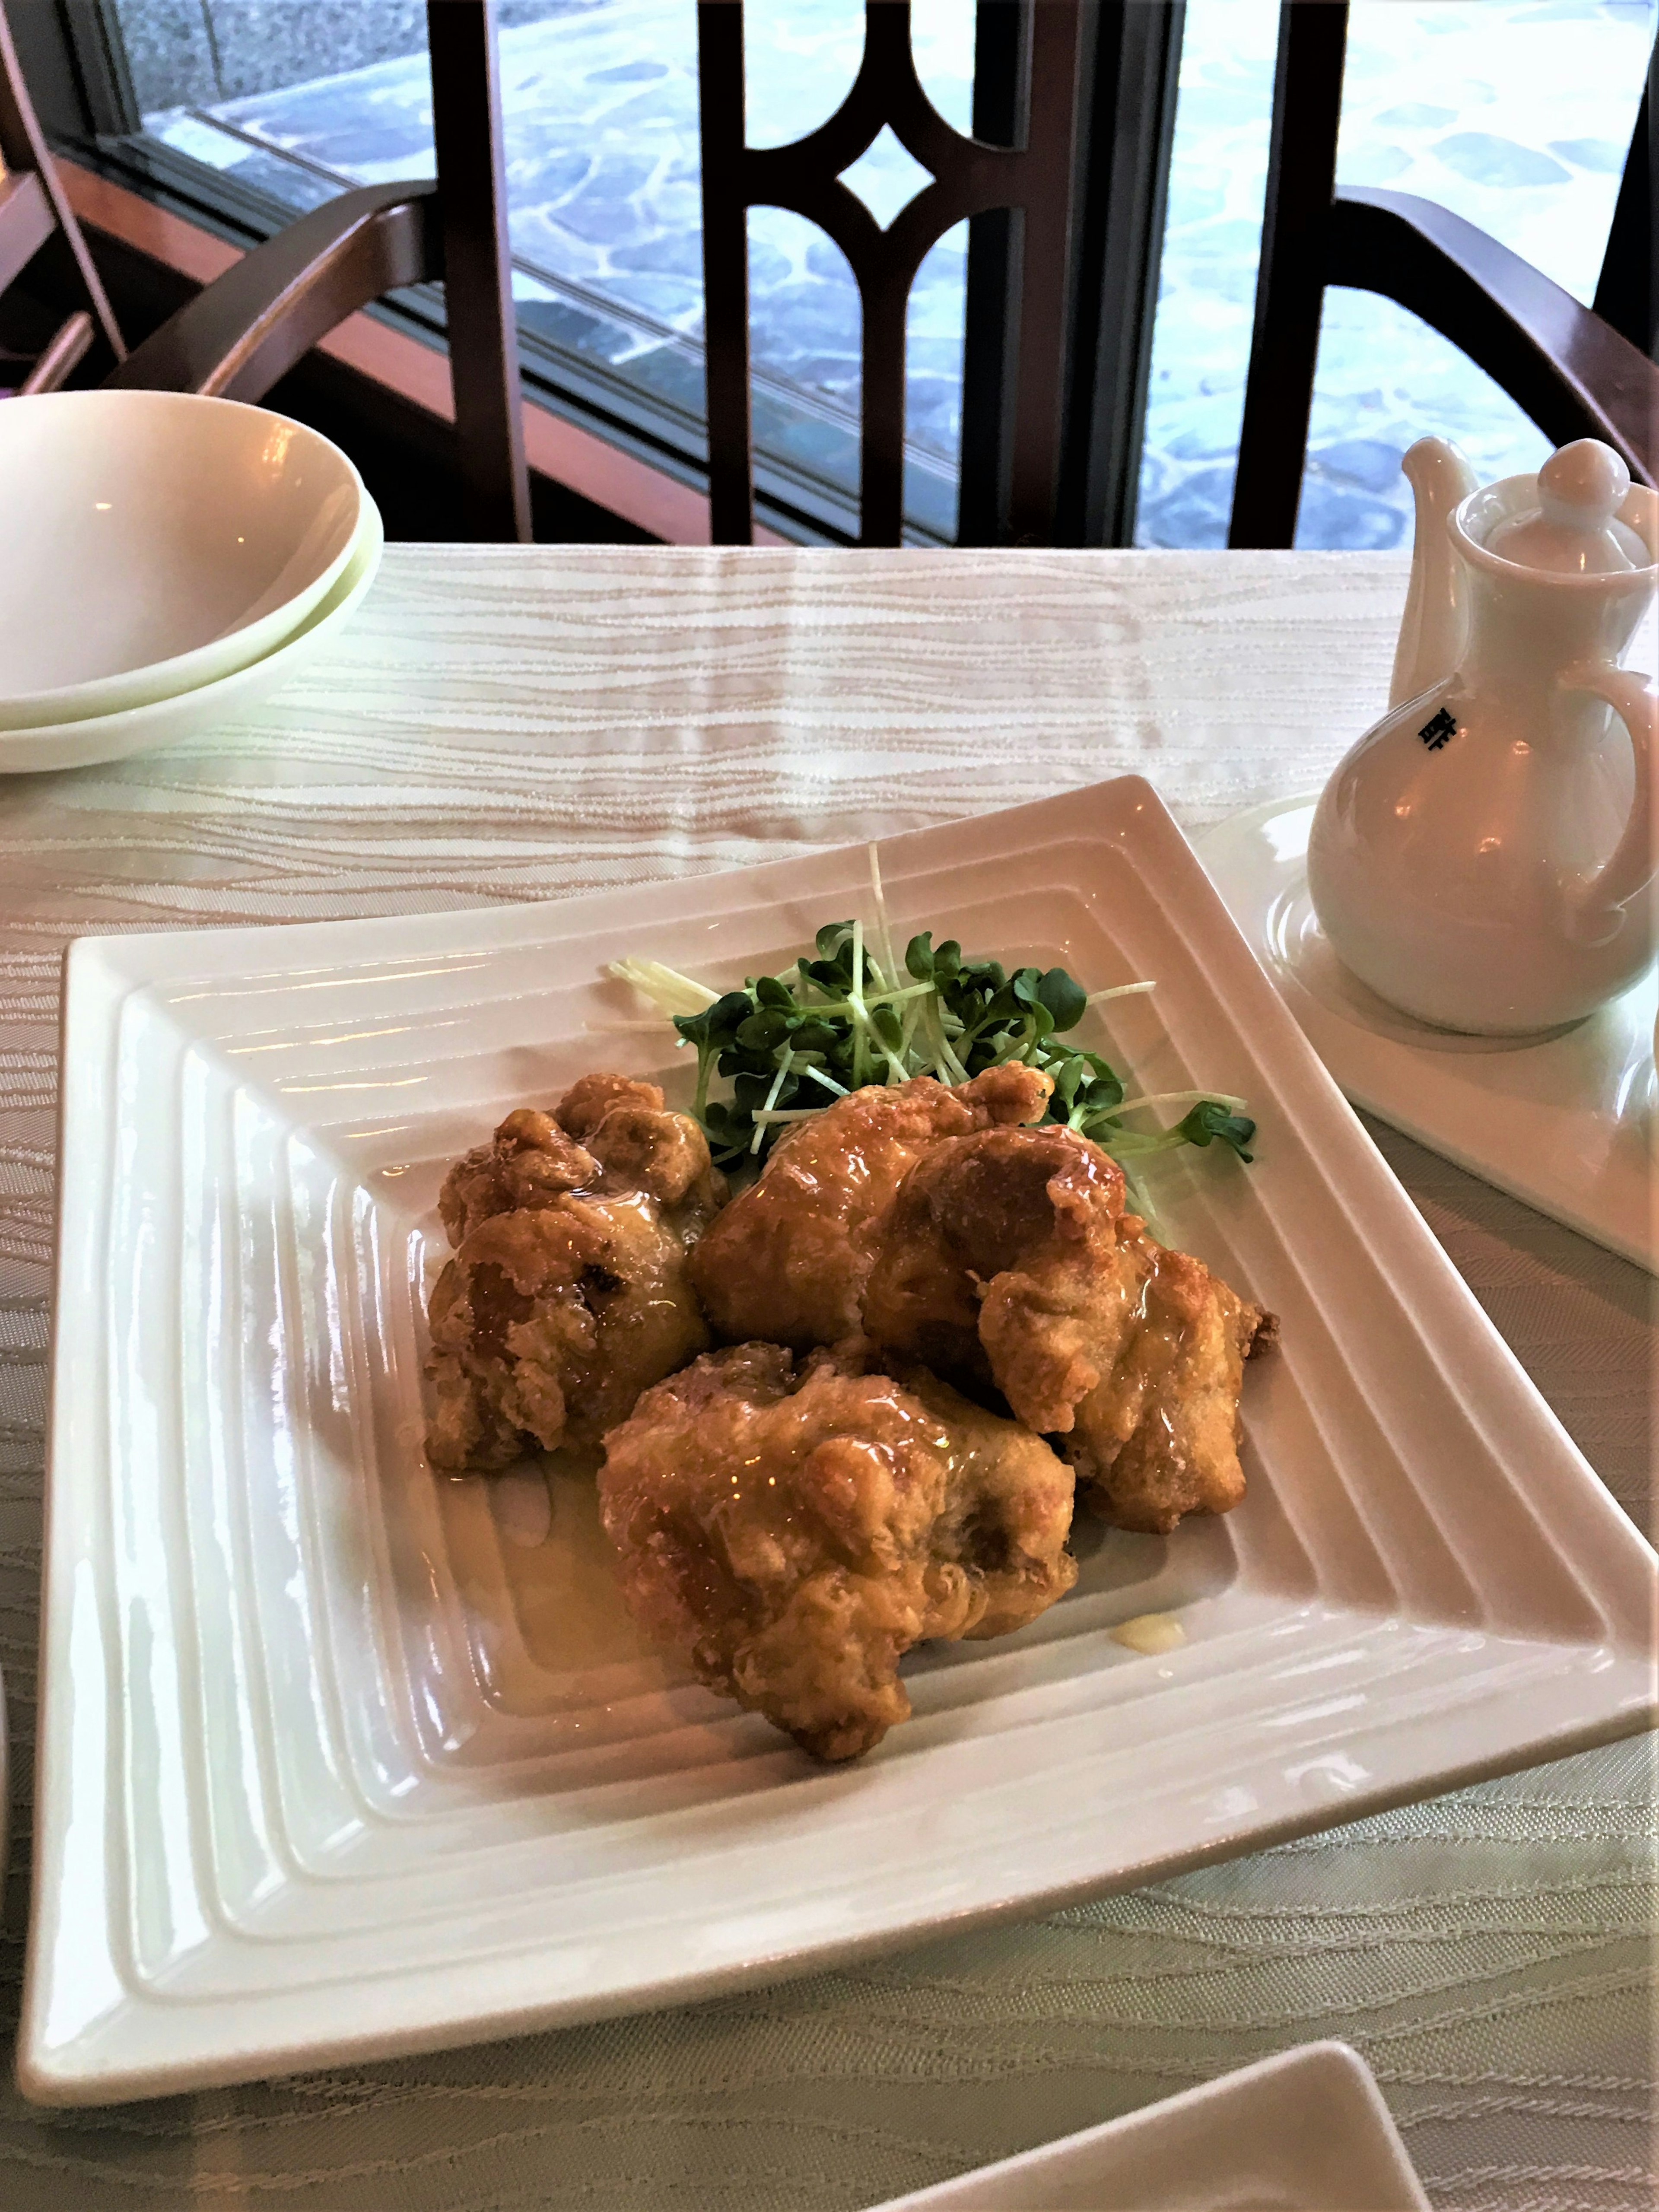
(165, 721)
(154, 542)
(339, 1759)
(1305, 2131)
(1566, 1122)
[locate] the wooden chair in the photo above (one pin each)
(1578, 372)
(252, 325)
(969, 179)
(33, 208)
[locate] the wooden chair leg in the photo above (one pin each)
(24, 147)
(1290, 288)
(68, 347)
(484, 331)
(1624, 294)
(725, 273)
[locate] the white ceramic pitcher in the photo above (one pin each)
(1484, 857)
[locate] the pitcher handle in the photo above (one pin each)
(1630, 868)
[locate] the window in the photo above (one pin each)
(1517, 113)
(599, 110)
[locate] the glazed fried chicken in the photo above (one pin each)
(1007, 1257)
(569, 1293)
(1157, 1436)
(787, 1259)
(998, 1262)
(530, 1162)
(793, 1528)
(609, 1133)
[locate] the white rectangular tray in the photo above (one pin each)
(333, 1764)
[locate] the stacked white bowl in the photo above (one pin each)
(166, 562)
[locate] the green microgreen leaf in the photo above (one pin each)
(1210, 1120)
(1066, 1000)
(789, 1044)
(764, 1030)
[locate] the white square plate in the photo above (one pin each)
(334, 1763)
(1306, 2130)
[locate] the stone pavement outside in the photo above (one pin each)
(1517, 113)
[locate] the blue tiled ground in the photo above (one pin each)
(1515, 112)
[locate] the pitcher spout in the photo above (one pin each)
(1435, 626)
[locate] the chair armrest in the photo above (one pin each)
(1573, 373)
(249, 326)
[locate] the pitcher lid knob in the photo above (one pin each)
(1574, 529)
(1583, 485)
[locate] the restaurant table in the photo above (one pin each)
(508, 723)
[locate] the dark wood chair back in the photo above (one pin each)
(1577, 372)
(1034, 178)
(34, 208)
(252, 325)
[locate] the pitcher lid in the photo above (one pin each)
(1573, 530)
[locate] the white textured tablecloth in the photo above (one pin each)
(516, 724)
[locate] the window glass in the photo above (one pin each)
(1206, 286)
(599, 107)
(1514, 113)
(806, 325)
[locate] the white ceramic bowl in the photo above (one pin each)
(155, 541)
(165, 721)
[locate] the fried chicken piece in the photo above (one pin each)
(567, 1294)
(609, 1133)
(793, 1529)
(1158, 1438)
(1007, 1257)
(529, 1162)
(787, 1259)
(997, 1263)
(548, 1323)
(591, 1097)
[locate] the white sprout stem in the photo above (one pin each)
(1180, 1098)
(943, 1056)
(772, 1095)
(828, 1083)
(1117, 991)
(1140, 1200)
(874, 999)
(882, 923)
(855, 1004)
(789, 1113)
(866, 1029)
(878, 973)
(665, 987)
